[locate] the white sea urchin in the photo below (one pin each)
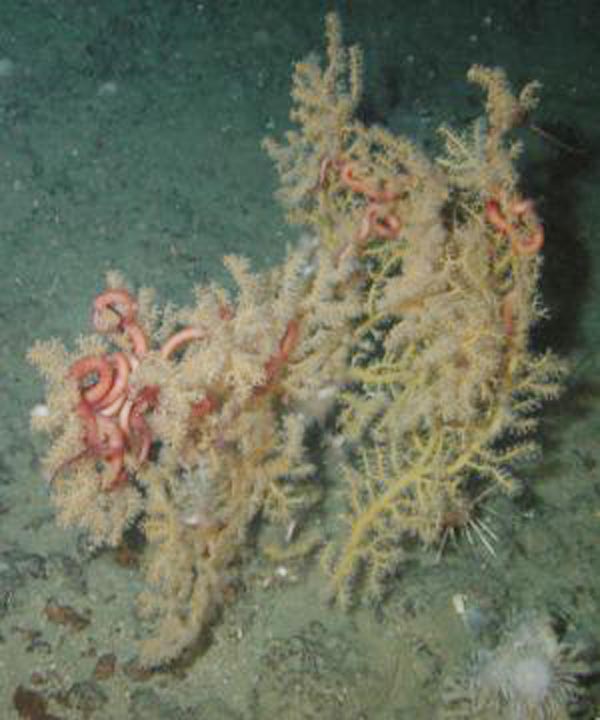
(530, 675)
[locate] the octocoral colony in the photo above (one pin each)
(405, 320)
